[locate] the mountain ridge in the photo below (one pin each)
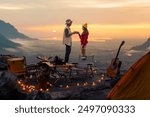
(10, 32)
(143, 47)
(6, 43)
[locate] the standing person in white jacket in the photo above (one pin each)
(67, 39)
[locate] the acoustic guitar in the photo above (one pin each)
(115, 65)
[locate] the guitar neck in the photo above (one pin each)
(117, 53)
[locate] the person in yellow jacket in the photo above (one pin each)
(84, 40)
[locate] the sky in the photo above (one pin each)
(107, 19)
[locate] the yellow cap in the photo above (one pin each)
(85, 25)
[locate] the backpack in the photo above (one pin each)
(58, 61)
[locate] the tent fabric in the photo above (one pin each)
(135, 83)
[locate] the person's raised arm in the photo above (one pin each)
(70, 34)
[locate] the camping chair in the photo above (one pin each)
(84, 67)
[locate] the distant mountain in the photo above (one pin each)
(10, 32)
(145, 46)
(6, 43)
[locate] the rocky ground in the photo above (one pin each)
(75, 89)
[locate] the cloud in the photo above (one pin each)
(107, 3)
(31, 4)
(92, 11)
(65, 4)
(10, 8)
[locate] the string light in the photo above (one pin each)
(93, 84)
(85, 84)
(31, 88)
(41, 89)
(103, 75)
(60, 86)
(26, 87)
(99, 81)
(47, 90)
(78, 84)
(19, 82)
(23, 88)
(50, 85)
(67, 87)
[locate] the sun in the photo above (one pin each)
(54, 31)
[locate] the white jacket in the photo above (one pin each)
(67, 40)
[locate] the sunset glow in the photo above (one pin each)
(96, 31)
(107, 19)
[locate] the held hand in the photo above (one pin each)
(76, 32)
